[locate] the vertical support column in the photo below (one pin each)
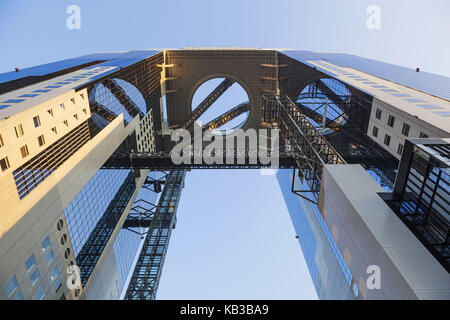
(147, 272)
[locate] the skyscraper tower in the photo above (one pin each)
(90, 192)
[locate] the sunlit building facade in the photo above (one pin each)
(90, 194)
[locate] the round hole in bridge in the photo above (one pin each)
(228, 112)
(325, 96)
(113, 97)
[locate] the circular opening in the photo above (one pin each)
(77, 292)
(104, 104)
(60, 225)
(228, 112)
(63, 239)
(67, 253)
(325, 97)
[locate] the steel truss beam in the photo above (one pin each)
(122, 96)
(99, 237)
(333, 96)
(356, 147)
(350, 139)
(161, 161)
(102, 111)
(227, 116)
(356, 106)
(302, 138)
(147, 272)
(207, 102)
(317, 117)
(142, 211)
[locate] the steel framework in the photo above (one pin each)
(122, 96)
(161, 161)
(102, 111)
(318, 117)
(142, 211)
(302, 138)
(145, 279)
(227, 116)
(349, 117)
(421, 198)
(207, 102)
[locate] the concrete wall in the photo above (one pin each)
(368, 232)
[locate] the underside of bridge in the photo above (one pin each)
(319, 120)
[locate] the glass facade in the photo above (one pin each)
(329, 272)
(128, 242)
(121, 59)
(423, 81)
(125, 249)
(88, 207)
(84, 212)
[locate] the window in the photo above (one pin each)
(24, 151)
(63, 239)
(428, 106)
(18, 296)
(4, 163)
(49, 256)
(400, 95)
(40, 294)
(375, 131)
(57, 284)
(11, 286)
(45, 243)
(19, 130)
(67, 253)
(1, 141)
(66, 123)
(36, 121)
(62, 106)
(75, 116)
(14, 101)
(443, 114)
(54, 273)
(60, 225)
(73, 100)
(41, 140)
(54, 130)
(34, 277)
(405, 129)
(50, 112)
(400, 149)
(378, 114)
(82, 96)
(84, 110)
(391, 121)
(423, 135)
(30, 263)
(387, 139)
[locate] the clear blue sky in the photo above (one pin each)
(230, 241)
(413, 32)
